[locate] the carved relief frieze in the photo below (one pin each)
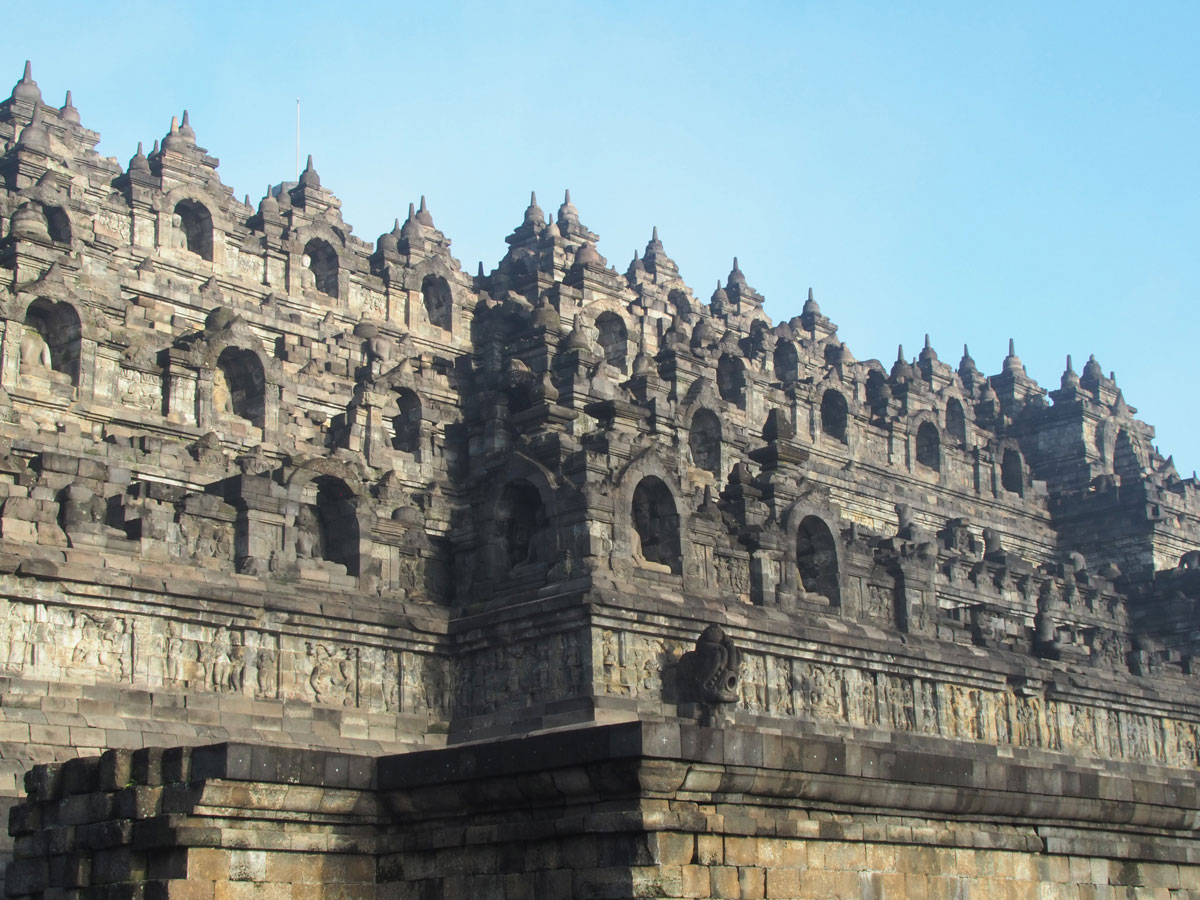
(1019, 715)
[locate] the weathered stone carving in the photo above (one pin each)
(444, 506)
(711, 672)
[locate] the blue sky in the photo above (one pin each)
(974, 171)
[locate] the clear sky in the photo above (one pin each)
(974, 171)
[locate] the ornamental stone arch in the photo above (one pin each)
(876, 390)
(1129, 457)
(393, 415)
(324, 515)
(957, 421)
(785, 361)
(702, 396)
(924, 443)
(193, 220)
(60, 224)
(319, 262)
(222, 376)
(733, 379)
(611, 325)
(814, 569)
(1121, 450)
(1010, 472)
(520, 527)
(58, 332)
(649, 520)
(439, 298)
(48, 223)
(680, 297)
(705, 443)
(832, 417)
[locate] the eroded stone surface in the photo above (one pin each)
(261, 480)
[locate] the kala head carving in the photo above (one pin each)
(711, 670)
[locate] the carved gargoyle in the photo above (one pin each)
(710, 672)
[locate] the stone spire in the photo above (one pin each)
(577, 339)
(719, 301)
(412, 232)
(810, 305)
(567, 213)
(656, 260)
(533, 213)
(185, 129)
(423, 215)
(901, 370)
(736, 278)
(34, 136)
(745, 298)
(309, 177)
(927, 352)
(138, 163)
(1069, 378)
(1012, 362)
(636, 269)
(26, 90)
(173, 140)
(268, 207)
(68, 113)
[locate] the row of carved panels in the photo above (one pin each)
(58, 643)
(646, 668)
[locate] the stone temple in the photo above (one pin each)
(333, 571)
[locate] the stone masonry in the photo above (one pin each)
(553, 581)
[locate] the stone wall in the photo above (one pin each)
(613, 812)
(264, 481)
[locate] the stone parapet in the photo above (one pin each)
(629, 810)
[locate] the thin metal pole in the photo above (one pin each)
(297, 138)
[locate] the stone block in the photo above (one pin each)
(672, 848)
(783, 883)
(752, 882)
(741, 851)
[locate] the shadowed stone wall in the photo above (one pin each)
(263, 481)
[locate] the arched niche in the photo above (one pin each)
(787, 363)
(877, 390)
(956, 422)
(656, 525)
(834, 415)
(335, 517)
(196, 223)
(439, 301)
(704, 441)
(406, 421)
(1127, 462)
(731, 380)
(614, 339)
(520, 522)
(816, 559)
(929, 447)
(679, 300)
(42, 223)
(323, 263)
(58, 224)
(1012, 472)
(239, 386)
(52, 339)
